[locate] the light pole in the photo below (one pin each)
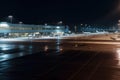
(60, 23)
(10, 18)
(75, 29)
(118, 25)
(20, 23)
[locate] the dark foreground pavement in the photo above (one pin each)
(69, 65)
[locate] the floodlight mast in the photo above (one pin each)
(10, 18)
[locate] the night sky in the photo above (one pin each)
(68, 11)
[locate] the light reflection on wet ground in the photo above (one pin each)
(13, 50)
(68, 61)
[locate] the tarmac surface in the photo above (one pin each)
(72, 59)
(65, 65)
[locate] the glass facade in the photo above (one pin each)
(23, 30)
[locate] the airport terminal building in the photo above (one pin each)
(24, 30)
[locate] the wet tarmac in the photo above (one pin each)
(60, 61)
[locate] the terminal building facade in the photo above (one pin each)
(23, 30)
